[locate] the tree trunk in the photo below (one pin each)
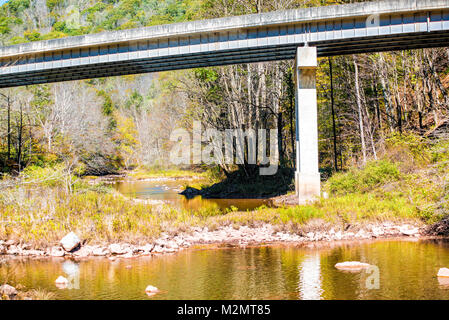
(359, 109)
(334, 129)
(9, 127)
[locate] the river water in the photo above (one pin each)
(403, 270)
(167, 190)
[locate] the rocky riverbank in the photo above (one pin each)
(73, 247)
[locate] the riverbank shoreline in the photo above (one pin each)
(222, 237)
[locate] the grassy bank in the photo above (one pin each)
(409, 182)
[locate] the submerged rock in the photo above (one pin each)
(70, 242)
(443, 282)
(352, 265)
(443, 273)
(7, 290)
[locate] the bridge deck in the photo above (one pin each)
(334, 30)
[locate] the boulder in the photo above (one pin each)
(443, 273)
(7, 290)
(115, 248)
(83, 252)
(146, 249)
(406, 230)
(56, 252)
(158, 249)
(70, 242)
(14, 250)
(352, 265)
(100, 251)
(10, 242)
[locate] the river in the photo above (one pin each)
(402, 270)
(167, 190)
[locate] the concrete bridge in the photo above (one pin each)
(302, 34)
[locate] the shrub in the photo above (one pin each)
(373, 175)
(409, 149)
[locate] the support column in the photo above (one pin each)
(307, 177)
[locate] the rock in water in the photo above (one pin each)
(443, 273)
(61, 280)
(151, 289)
(7, 290)
(352, 265)
(70, 242)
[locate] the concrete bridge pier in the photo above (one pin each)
(307, 176)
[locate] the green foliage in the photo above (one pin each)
(408, 147)
(17, 6)
(373, 175)
(300, 214)
(206, 74)
(52, 4)
(135, 100)
(108, 106)
(32, 35)
(440, 153)
(47, 176)
(4, 25)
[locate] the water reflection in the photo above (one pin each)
(310, 277)
(407, 270)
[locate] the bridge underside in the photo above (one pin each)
(226, 57)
